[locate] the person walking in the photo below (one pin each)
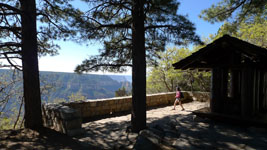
(178, 98)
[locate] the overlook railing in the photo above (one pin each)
(68, 117)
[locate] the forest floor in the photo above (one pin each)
(110, 133)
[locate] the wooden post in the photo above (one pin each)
(261, 91)
(264, 103)
(218, 89)
(235, 88)
(246, 92)
(257, 91)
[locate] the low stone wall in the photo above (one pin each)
(62, 118)
(92, 108)
(67, 117)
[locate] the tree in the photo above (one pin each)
(19, 40)
(121, 92)
(10, 99)
(254, 31)
(76, 97)
(132, 32)
(163, 78)
(238, 10)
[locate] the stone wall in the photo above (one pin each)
(92, 108)
(67, 117)
(62, 118)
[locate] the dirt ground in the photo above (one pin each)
(46, 139)
(109, 133)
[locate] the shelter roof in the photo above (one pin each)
(226, 51)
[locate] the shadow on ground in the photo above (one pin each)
(45, 139)
(194, 134)
(206, 134)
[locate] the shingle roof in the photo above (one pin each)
(223, 52)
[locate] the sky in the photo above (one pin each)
(72, 54)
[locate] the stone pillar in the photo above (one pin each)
(62, 119)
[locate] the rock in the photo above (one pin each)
(67, 113)
(154, 138)
(75, 132)
(159, 133)
(73, 124)
(198, 119)
(62, 118)
(171, 134)
(142, 143)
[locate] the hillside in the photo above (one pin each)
(89, 85)
(60, 85)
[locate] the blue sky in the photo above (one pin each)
(72, 54)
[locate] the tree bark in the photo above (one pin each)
(138, 117)
(31, 84)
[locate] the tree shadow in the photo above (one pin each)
(43, 139)
(205, 134)
(208, 134)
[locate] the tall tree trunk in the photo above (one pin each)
(33, 115)
(138, 118)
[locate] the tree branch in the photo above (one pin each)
(8, 14)
(10, 28)
(18, 11)
(9, 61)
(8, 44)
(21, 104)
(230, 10)
(48, 18)
(122, 25)
(159, 26)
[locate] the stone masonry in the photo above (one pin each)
(67, 117)
(62, 118)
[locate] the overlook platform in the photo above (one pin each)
(194, 132)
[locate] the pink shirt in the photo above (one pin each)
(177, 94)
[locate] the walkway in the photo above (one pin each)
(110, 133)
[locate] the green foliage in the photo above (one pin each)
(76, 97)
(111, 22)
(237, 10)
(58, 100)
(163, 78)
(10, 99)
(53, 17)
(5, 123)
(254, 31)
(121, 92)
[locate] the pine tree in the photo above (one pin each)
(132, 32)
(21, 40)
(236, 11)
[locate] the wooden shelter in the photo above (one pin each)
(239, 75)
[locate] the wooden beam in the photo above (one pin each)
(246, 91)
(218, 89)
